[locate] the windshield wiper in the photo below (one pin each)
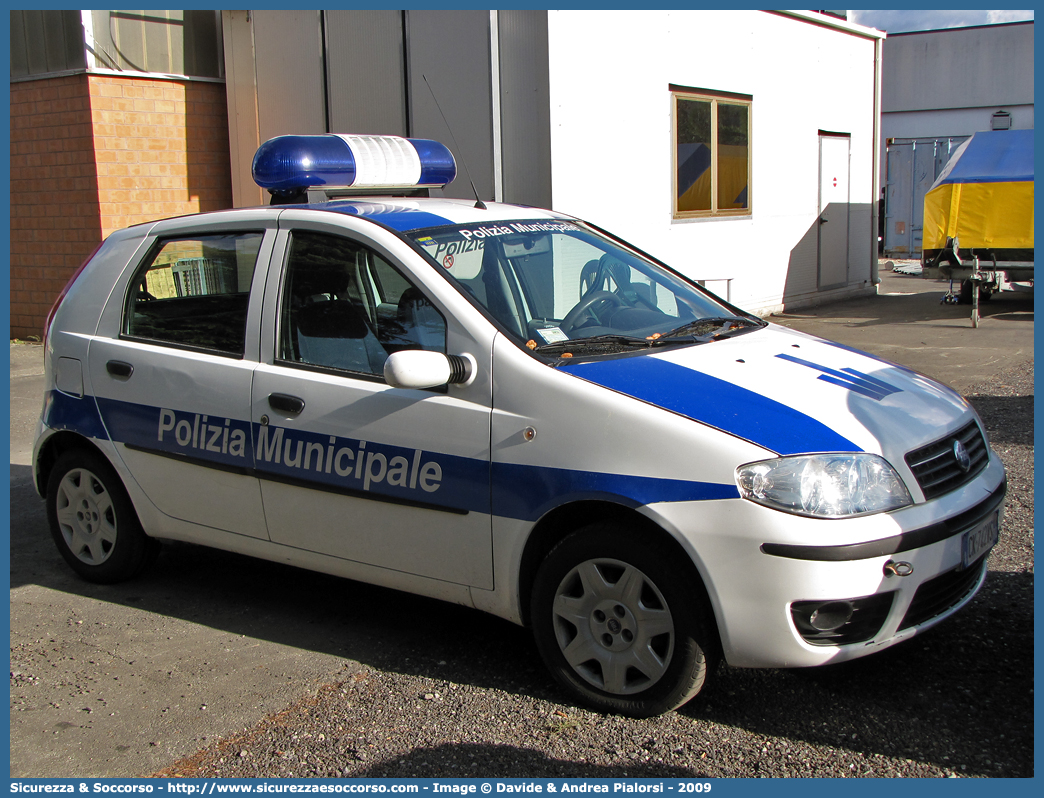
(716, 328)
(713, 328)
(608, 341)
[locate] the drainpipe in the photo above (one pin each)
(875, 206)
(498, 142)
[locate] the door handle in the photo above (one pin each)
(117, 368)
(284, 403)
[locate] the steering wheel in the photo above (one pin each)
(583, 307)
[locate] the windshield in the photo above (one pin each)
(554, 283)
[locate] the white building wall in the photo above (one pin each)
(611, 137)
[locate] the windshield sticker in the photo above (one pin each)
(447, 249)
(553, 335)
(517, 227)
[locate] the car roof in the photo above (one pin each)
(403, 214)
(413, 213)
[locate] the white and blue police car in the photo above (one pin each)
(509, 409)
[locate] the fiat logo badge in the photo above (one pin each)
(963, 458)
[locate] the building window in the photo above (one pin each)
(711, 153)
(173, 42)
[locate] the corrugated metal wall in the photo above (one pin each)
(43, 42)
(525, 108)
(369, 72)
(981, 66)
(365, 72)
(912, 166)
(452, 50)
(289, 71)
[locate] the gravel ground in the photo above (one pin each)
(954, 702)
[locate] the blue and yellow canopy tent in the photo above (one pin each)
(982, 202)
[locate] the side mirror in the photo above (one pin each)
(416, 368)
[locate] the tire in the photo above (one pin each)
(619, 623)
(985, 294)
(966, 293)
(93, 522)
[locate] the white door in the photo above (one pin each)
(349, 466)
(173, 383)
(834, 160)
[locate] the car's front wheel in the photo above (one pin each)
(619, 621)
(92, 520)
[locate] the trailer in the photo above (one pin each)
(978, 217)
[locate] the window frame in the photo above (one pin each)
(685, 93)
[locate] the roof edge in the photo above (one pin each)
(833, 22)
(966, 27)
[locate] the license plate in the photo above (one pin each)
(978, 540)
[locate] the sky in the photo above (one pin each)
(933, 19)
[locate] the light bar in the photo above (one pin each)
(288, 163)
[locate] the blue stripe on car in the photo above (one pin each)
(528, 492)
(64, 412)
(850, 379)
(524, 492)
(715, 402)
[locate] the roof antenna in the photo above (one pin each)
(478, 201)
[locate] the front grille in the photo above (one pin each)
(937, 595)
(936, 466)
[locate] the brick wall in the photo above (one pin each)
(54, 194)
(161, 149)
(91, 154)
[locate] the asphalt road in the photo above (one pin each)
(215, 664)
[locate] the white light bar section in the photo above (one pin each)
(383, 161)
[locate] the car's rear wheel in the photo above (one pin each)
(92, 520)
(620, 623)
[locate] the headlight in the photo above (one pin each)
(824, 485)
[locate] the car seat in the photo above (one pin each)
(335, 334)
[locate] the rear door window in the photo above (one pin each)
(193, 292)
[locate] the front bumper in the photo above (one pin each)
(767, 571)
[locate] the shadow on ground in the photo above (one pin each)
(938, 696)
(911, 300)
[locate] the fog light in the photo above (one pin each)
(839, 621)
(831, 616)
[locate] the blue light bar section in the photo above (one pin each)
(288, 163)
(437, 165)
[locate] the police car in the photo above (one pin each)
(509, 409)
